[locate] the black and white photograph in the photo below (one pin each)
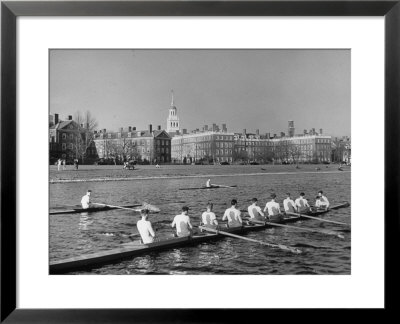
(200, 161)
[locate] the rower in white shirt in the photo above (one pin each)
(273, 208)
(288, 204)
(233, 215)
(182, 223)
(320, 204)
(208, 183)
(85, 201)
(144, 227)
(301, 203)
(255, 211)
(324, 199)
(208, 218)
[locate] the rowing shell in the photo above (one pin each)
(212, 187)
(134, 249)
(88, 210)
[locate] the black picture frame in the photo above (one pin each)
(10, 10)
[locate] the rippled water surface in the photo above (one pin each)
(76, 234)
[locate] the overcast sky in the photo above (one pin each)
(246, 89)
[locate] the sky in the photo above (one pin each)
(245, 89)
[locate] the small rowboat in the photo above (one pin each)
(212, 187)
(88, 210)
(85, 262)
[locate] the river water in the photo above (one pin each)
(77, 234)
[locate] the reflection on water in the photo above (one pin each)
(78, 234)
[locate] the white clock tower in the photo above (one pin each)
(173, 119)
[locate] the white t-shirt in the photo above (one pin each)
(289, 206)
(208, 183)
(302, 204)
(320, 203)
(182, 223)
(233, 216)
(208, 218)
(85, 201)
(146, 231)
(325, 201)
(255, 211)
(273, 208)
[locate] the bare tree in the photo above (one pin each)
(85, 133)
(295, 152)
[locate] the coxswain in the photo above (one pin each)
(323, 198)
(182, 223)
(273, 208)
(233, 215)
(208, 218)
(85, 201)
(255, 211)
(301, 203)
(288, 204)
(144, 227)
(208, 183)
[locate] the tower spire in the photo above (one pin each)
(172, 98)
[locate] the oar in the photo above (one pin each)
(280, 246)
(224, 186)
(307, 229)
(317, 218)
(150, 207)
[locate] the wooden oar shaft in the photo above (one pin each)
(280, 246)
(306, 229)
(119, 207)
(223, 186)
(317, 218)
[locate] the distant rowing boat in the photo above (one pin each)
(212, 187)
(130, 250)
(88, 210)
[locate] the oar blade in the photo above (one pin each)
(150, 207)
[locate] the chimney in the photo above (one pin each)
(133, 128)
(159, 127)
(177, 132)
(150, 128)
(214, 127)
(184, 131)
(268, 135)
(257, 132)
(305, 132)
(313, 131)
(104, 130)
(129, 129)
(244, 131)
(206, 128)
(55, 119)
(121, 129)
(282, 134)
(69, 117)
(320, 131)
(224, 129)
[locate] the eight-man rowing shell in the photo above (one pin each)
(212, 187)
(89, 210)
(132, 250)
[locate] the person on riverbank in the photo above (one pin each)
(232, 214)
(59, 164)
(63, 164)
(144, 227)
(302, 205)
(85, 201)
(273, 209)
(323, 199)
(76, 164)
(288, 204)
(255, 211)
(208, 218)
(182, 223)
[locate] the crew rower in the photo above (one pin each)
(182, 223)
(233, 215)
(255, 211)
(273, 208)
(85, 201)
(301, 203)
(208, 218)
(288, 204)
(320, 204)
(323, 198)
(144, 227)
(208, 183)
